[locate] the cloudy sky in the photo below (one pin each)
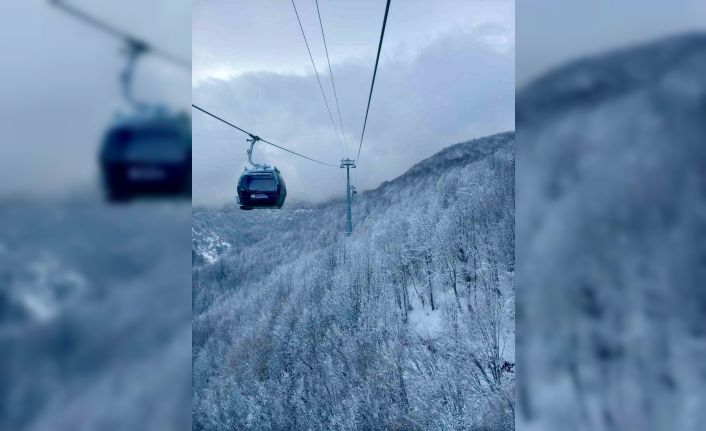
(61, 90)
(446, 75)
(552, 32)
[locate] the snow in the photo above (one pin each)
(209, 245)
(612, 305)
(297, 326)
(97, 326)
(424, 321)
(46, 286)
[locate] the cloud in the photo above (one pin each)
(553, 32)
(457, 87)
(61, 85)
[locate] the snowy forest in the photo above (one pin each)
(95, 317)
(406, 324)
(610, 228)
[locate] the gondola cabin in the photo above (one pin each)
(147, 154)
(261, 187)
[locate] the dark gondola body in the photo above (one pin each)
(261, 187)
(148, 154)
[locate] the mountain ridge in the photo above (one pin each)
(451, 157)
(298, 326)
(592, 80)
(609, 191)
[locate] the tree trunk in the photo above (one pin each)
(429, 283)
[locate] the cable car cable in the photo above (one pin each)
(132, 41)
(253, 136)
(333, 84)
(372, 84)
(311, 57)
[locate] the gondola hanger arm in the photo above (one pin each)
(252, 140)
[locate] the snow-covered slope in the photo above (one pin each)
(206, 245)
(407, 324)
(95, 316)
(610, 226)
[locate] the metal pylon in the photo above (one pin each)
(348, 164)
